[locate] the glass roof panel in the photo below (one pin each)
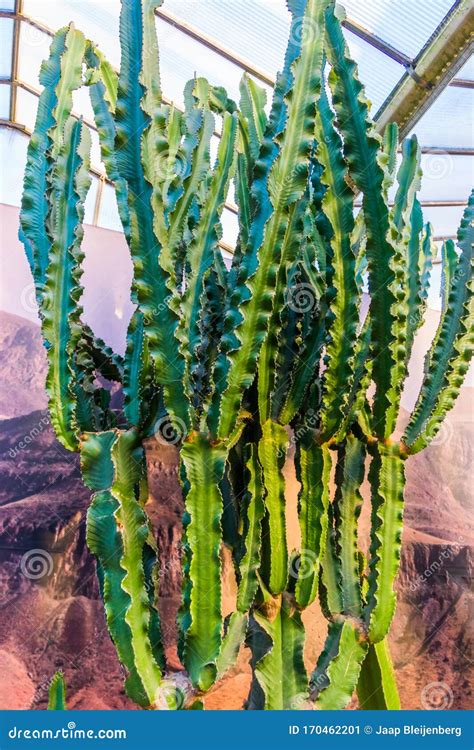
(445, 220)
(230, 227)
(182, 57)
(449, 120)
(26, 106)
(6, 46)
(98, 20)
(434, 297)
(5, 90)
(89, 205)
(255, 31)
(378, 73)
(7, 4)
(404, 24)
(13, 145)
(108, 214)
(446, 176)
(467, 70)
(240, 27)
(34, 48)
(81, 103)
(96, 161)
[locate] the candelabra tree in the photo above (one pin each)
(239, 363)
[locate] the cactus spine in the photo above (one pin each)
(241, 362)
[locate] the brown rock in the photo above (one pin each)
(16, 687)
(22, 366)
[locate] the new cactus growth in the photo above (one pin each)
(242, 362)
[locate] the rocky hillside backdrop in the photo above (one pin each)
(50, 613)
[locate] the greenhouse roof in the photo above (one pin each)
(415, 58)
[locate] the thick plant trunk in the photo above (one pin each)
(165, 508)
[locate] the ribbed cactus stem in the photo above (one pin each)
(247, 369)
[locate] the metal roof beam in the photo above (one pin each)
(368, 36)
(448, 150)
(436, 65)
(462, 83)
(432, 204)
(15, 56)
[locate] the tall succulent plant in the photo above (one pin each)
(240, 363)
